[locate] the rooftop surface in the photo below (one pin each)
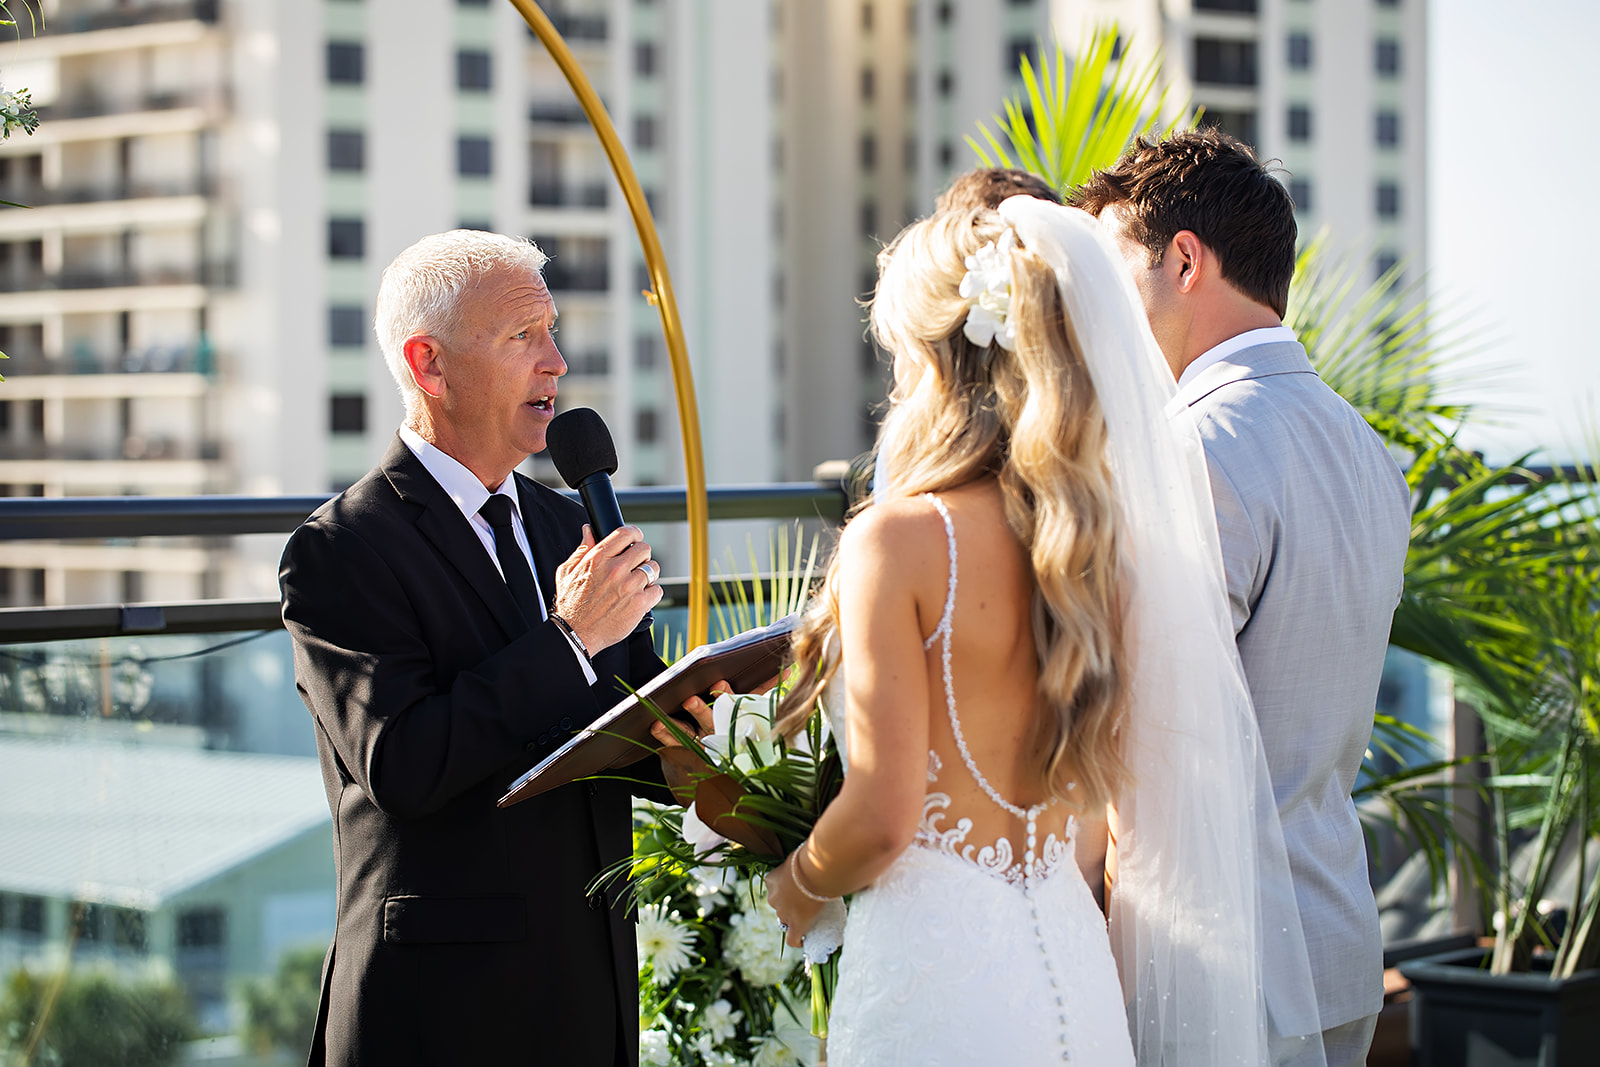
(134, 825)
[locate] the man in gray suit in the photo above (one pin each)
(1314, 518)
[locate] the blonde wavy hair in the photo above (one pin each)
(1030, 419)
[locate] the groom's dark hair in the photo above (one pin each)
(1214, 186)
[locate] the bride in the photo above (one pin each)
(1033, 628)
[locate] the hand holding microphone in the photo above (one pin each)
(604, 588)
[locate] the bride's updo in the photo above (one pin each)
(1030, 419)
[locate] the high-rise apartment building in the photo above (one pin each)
(1335, 91)
(217, 186)
(219, 183)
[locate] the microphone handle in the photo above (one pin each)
(600, 501)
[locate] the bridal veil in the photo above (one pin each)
(1202, 905)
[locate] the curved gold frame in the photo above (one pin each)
(661, 296)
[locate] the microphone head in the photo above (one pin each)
(580, 445)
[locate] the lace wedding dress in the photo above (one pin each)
(966, 955)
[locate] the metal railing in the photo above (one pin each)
(56, 518)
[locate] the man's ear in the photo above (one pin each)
(421, 354)
(1189, 256)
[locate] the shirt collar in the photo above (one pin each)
(1238, 343)
(454, 478)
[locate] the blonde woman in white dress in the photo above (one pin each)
(1032, 606)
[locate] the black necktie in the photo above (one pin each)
(513, 564)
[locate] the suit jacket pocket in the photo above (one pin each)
(441, 920)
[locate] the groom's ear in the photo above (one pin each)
(1187, 256)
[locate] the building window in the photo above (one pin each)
(646, 351)
(866, 16)
(1383, 263)
(1299, 123)
(947, 154)
(645, 58)
(1300, 51)
(19, 912)
(473, 156)
(1388, 3)
(1017, 48)
(1247, 7)
(83, 921)
(869, 151)
(472, 3)
(1388, 129)
(1222, 62)
(347, 325)
(646, 425)
(346, 63)
(869, 218)
(1300, 193)
(128, 928)
(1386, 58)
(946, 13)
(472, 70)
(347, 413)
(347, 150)
(947, 83)
(644, 131)
(347, 238)
(1239, 124)
(1388, 200)
(868, 84)
(202, 928)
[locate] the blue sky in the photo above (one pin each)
(1514, 213)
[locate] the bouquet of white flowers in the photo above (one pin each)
(717, 984)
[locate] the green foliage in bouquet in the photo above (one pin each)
(718, 987)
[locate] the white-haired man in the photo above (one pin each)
(453, 623)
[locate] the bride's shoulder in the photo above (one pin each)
(895, 532)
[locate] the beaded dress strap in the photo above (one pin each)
(1031, 815)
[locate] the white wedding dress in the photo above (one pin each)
(967, 955)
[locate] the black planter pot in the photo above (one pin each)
(1463, 1016)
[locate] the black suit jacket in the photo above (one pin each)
(464, 932)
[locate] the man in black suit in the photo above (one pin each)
(438, 666)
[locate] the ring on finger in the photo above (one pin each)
(651, 571)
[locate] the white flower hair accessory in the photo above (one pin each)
(987, 289)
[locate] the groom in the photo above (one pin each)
(1314, 518)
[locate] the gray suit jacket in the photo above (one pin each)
(1314, 516)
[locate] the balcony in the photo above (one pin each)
(109, 18)
(557, 112)
(151, 359)
(132, 447)
(560, 194)
(89, 102)
(574, 26)
(35, 196)
(29, 279)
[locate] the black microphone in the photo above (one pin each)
(585, 457)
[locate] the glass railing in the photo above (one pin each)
(166, 871)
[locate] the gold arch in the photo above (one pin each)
(661, 296)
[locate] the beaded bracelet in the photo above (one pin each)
(794, 876)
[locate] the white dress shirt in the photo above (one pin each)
(469, 494)
(1238, 343)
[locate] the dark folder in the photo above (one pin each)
(745, 661)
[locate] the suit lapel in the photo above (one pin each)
(544, 533)
(1260, 361)
(442, 523)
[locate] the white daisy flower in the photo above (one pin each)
(665, 942)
